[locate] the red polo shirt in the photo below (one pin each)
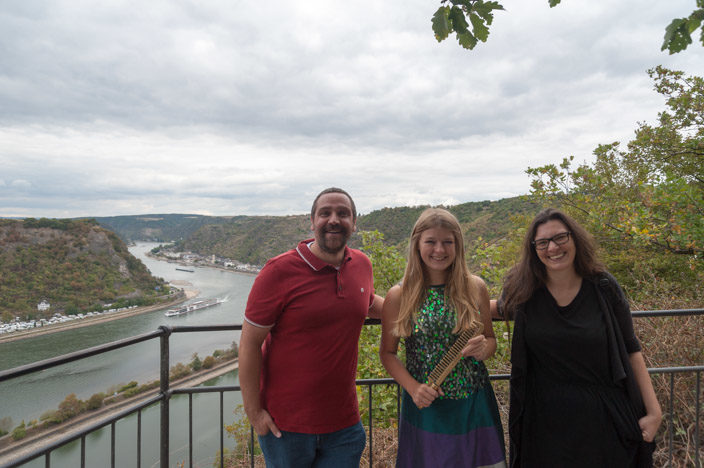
(310, 356)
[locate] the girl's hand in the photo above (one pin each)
(424, 395)
(476, 347)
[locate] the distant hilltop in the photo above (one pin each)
(254, 239)
(64, 266)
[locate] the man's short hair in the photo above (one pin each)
(334, 190)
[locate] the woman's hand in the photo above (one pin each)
(424, 395)
(649, 426)
(477, 348)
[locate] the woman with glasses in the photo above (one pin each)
(581, 395)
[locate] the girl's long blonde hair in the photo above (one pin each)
(460, 290)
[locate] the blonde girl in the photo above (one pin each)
(459, 424)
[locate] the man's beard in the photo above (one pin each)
(332, 247)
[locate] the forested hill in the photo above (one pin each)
(249, 239)
(159, 227)
(486, 219)
(254, 239)
(76, 266)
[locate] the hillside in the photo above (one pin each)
(159, 227)
(249, 239)
(76, 266)
(254, 239)
(486, 219)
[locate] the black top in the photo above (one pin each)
(575, 412)
(567, 344)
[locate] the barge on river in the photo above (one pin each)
(192, 307)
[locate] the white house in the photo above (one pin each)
(42, 306)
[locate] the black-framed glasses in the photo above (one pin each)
(558, 239)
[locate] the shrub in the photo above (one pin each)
(50, 417)
(130, 392)
(132, 384)
(20, 432)
(179, 370)
(70, 407)
(95, 401)
(150, 385)
(208, 362)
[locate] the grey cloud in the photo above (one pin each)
(222, 107)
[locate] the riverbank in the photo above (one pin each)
(252, 270)
(188, 293)
(11, 450)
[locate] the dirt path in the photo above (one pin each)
(11, 450)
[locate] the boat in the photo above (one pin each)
(192, 307)
(185, 269)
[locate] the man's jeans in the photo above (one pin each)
(338, 449)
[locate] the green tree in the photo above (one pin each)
(388, 267)
(387, 262)
(470, 20)
(196, 364)
(678, 34)
(645, 203)
(652, 193)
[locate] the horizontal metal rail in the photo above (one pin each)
(667, 313)
(166, 392)
(46, 450)
(75, 356)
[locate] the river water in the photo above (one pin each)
(27, 398)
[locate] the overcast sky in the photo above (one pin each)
(230, 107)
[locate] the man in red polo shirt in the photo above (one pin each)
(298, 349)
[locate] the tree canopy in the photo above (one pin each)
(652, 192)
(470, 21)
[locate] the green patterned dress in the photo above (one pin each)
(461, 428)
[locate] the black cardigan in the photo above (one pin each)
(617, 316)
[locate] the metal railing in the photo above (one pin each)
(166, 392)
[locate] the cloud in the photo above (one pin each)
(225, 107)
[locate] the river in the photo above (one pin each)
(27, 398)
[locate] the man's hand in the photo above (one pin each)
(263, 424)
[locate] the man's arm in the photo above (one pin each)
(494, 309)
(375, 308)
(250, 367)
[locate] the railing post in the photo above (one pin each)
(398, 410)
(222, 430)
(671, 425)
(371, 439)
(696, 425)
(165, 395)
(251, 446)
